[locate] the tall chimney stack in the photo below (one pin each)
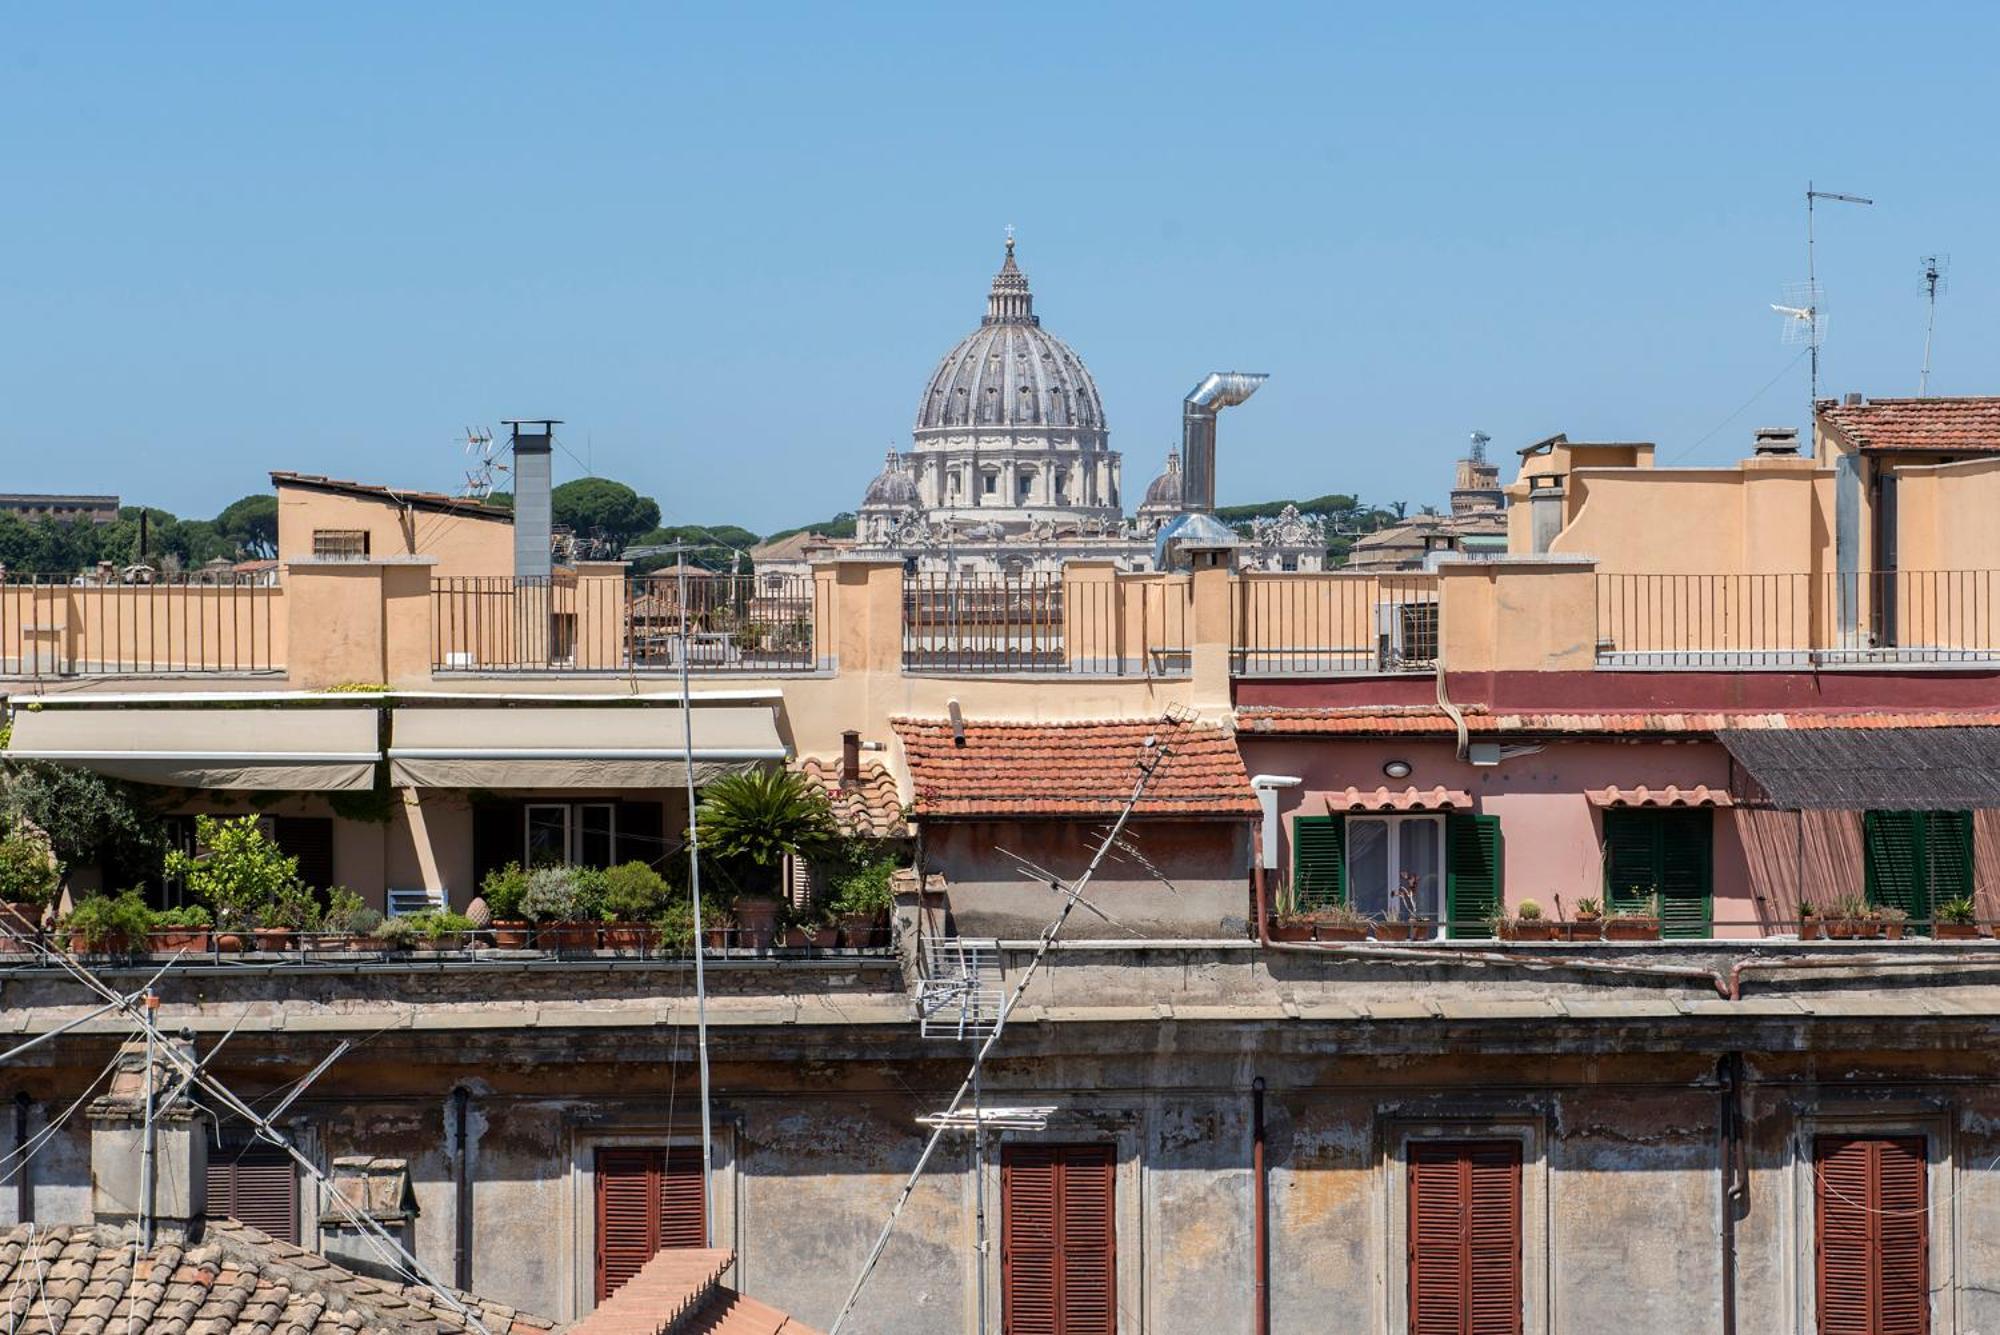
(1218, 390)
(169, 1184)
(534, 515)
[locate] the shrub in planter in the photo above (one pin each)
(1589, 922)
(861, 895)
(1338, 922)
(634, 894)
(555, 901)
(438, 929)
(1957, 920)
(1894, 921)
(397, 933)
(29, 877)
(1530, 925)
(178, 929)
(1288, 925)
(240, 874)
(503, 890)
(1847, 920)
(105, 925)
(364, 929)
(754, 821)
(1640, 922)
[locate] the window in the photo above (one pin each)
(1668, 853)
(1058, 1260)
(340, 544)
(1916, 860)
(989, 483)
(649, 1199)
(310, 840)
(1025, 482)
(1367, 861)
(558, 834)
(1465, 1237)
(1871, 1249)
(1062, 486)
(255, 1183)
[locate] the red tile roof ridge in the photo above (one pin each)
(413, 495)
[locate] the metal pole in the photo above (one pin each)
(979, 1197)
(148, 1193)
(694, 890)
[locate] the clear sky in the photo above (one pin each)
(727, 243)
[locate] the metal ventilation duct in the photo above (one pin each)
(1219, 390)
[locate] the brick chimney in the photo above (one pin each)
(379, 1189)
(119, 1191)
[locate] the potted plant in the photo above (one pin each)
(1956, 920)
(861, 895)
(633, 896)
(502, 890)
(29, 877)
(1530, 925)
(333, 928)
(1500, 925)
(1894, 920)
(1811, 926)
(239, 873)
(1844, 921)
(1403, 924)
(1288, 924)
(1589, 922)
(184, 928)
(756, 820)
(290, 912)
(397, 934)
(1338, 922)
(1637, 921)
(440, 929)
(364, 928)
(104, 925)
(554, 899)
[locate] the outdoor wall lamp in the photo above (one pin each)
(1396, 769)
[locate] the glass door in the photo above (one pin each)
(1395, 866)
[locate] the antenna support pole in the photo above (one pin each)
(1812, 287)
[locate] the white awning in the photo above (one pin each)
(577, 745)
(273, 748)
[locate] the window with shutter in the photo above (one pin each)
(1475, 862)
(649, 1199)
(310, 840)
(1464, 1239)
(255, 1183)
(1872, 1246)
(1319, 861)
(1916, 860)
(1058, 1253)
(1669, 853)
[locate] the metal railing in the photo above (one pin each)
(1796, 620)
(742, 624)
(1324, 624)
(57, 626)
(1044, 623)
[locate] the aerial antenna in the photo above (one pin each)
(1804, 321)
(1479, 442)
(479, 448)
(1935, 268)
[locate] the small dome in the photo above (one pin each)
(1010, 373)
(1165, 491)
(893, 488)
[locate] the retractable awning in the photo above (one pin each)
(635, 743)
(274, 747)
(1855, 769)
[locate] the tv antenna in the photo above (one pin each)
(1479, 443)
(1804, 322)
(479, 477)
(1935, 269)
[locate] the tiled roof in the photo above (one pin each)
(418, 500)
(872, 806)
(84, 1280)
(1073, 769)
(1427, 720)
(1953, 425)
(1673, 795)
(679, 1292)
(1399, 799)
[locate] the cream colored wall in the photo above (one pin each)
(143, 628)
(1946, 516)
(461, 544)
(1520, 616)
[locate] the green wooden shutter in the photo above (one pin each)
(1319, 861)
(1893, 860)
(1669, 852)
(1475, 859)
(1947, 857)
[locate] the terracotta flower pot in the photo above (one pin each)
(1340, 931)
(230, 942)
(168, 940)
(567, 936)
(720, 934)
(629, 937)
(1893, 931)
(1631, 929)
(825, 935)
(796, 938)
(1291, 930)
(1534, 929)
(1584, 929)
(858, 931)
(511, 934)
(1811, 929)
(1840, 929)
(757, 915)
(19, 923)
(272, 938)
(118, 944)
(1955, 931)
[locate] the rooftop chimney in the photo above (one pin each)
(1218, 390)
(534, 517)
(379, 1189)
(126, 1184)
(850, 757)
(1851, 400)
(1773, 442)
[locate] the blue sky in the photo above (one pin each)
(727, 243)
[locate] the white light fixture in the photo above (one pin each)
(1396, 769)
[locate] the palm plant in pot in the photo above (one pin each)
(1956, 920)
(29, 877)
(1811, 928)
(239, 873)
(752, 822)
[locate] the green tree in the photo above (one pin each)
(714, 546)
(601, 508)
(840, 526)
(241, 874)
(251, 523)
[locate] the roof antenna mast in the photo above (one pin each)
(1935, 268)
(1805, 322)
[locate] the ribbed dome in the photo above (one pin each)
(893, 487)
(1165, 491)
(1010, 372)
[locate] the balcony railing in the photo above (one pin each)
(740, 624)
(1325, 624)
(1797, 621)
(176, 625)
(1045, 623)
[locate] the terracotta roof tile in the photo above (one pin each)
(680, 1292)
(1673, 795)
(1947, 425)
(1072, 769)
(872, 806)
(1427, 720)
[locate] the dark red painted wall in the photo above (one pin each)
(1565, 692)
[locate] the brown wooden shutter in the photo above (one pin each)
(1059, 1263)
(1872, 1249)
(255, 1184)
(648, 1199)
(1465, 1237)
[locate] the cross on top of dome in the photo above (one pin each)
(1010, 302)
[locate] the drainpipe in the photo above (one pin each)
(1261, 1242)
(1729, 1074)
(461, 1241)
(24, 1183)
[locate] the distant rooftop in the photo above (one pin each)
(1966, 425)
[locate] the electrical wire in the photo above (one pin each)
(35, 1143)
(1710, 434)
